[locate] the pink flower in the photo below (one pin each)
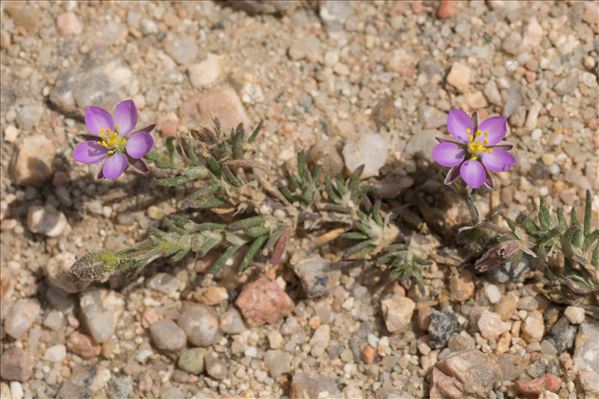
(113, 141)
(475, 149)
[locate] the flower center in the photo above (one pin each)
(475, 148)
(112, 140)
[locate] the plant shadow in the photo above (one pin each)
(428, 214)
(136, 192)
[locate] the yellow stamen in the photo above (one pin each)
(112, 140)
(476, 147)
(468, 131)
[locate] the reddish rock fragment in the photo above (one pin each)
(476, 371)
(168, 124)
(461, 285)
(83, 345)
(552, 382)
(16, 365)
(149, 317)
(446, 9)
(445, 387)
(223, 104)
(534, 388)
(368, 354)
(263, 301)
(530, 388)
(145, 382)
(417, 6)
(68, 24)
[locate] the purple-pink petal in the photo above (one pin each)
(125, 115)
(97, 118)
(448, 154)
(473, 173)
(457, 123)
(500, 160)
(452, 175)
(114, 166)
(89, 152)
(497, 128)
(139, 144)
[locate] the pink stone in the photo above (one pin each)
(82, 345)
(444, 386)
(68, 24)
(533, 35)
(145, 382)
(149, 317)
(533, 388)
(417, 6)
(168, 124)
(32, 164)
(552, 382)
(475, 371)
(402, 62)
(446, 9)
(263, 301)
(530, 388)
(223, 104)
(16, 365)
(459, 76)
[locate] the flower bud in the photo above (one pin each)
(497, 255)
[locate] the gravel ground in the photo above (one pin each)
(367, 83)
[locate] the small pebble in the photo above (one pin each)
(491, 326)
(397, 311)
(275, 339)
(55, 353)
(167, 336)
(575, 314)
(492, 293)
(533, 329)
(192, 360)
(215, 367)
